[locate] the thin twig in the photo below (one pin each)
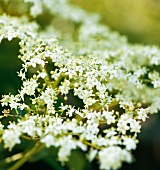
(27, 156)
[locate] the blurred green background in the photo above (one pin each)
(139, 20)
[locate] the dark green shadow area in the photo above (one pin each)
(9, 65)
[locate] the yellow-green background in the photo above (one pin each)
(138, 19)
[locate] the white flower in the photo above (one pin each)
(67, 144)
(22, 74)
(142, 114)
(100, 68)
(156, 83)
(109, 117)
(112, 157)
(129, 143)
(71, 111)
(11, 138)
(48, 140)
(64, 88)
(49, 97)
(63, 107)
(110, 132)
(36, 8)
(5, 100)
(34, 61)
(13, 105)
(92, 154)
(91, 130)
(89, 101)
(28, 127)
(11, 100)
(134, 125)
(155, 60)
(126, 104)
(41, 75)
(29, 87)
(122, 125)
(23, 106)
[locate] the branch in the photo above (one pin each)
(27, 156)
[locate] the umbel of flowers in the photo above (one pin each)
(116, 85)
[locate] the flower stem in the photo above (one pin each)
(57, 81)
(92, 145)
(26, 157)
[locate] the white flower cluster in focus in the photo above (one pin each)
(114, 81)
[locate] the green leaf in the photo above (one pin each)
(77, 161)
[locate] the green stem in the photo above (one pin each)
(29, 138)
(47, 78)
(98, 107)
(13, 157)
(26, 157)
(55, 84)
(113, 105)
(92, 145)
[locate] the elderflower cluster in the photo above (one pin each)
(115, 81)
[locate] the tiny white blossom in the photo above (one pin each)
(112, 157)
(92, 155)
(142, 114)
(29, 87)
(109, 117)
(156, 83)
(134, 125)
(41, 75)
(67, 144)
(71, 111)
(64, 88)
(11, 138)
(48, 140)
(129, 143)
(123, 123)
